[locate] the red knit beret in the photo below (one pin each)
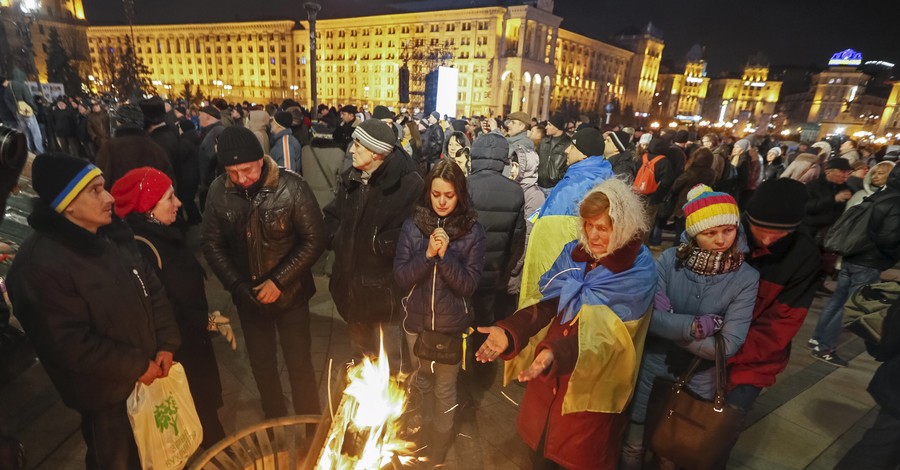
(139, 190)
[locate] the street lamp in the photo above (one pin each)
(294, 90)
(312, 10)
(227, 88)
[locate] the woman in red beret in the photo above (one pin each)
(146, 200)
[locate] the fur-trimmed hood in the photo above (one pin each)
(626, 210)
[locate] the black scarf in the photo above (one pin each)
(457, 224)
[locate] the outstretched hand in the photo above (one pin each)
(493, 346)
(542, 362)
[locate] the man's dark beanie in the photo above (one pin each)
(59, 178)
(129, 116)
(778, 204)
(558, 121)
(284, 118)
(289, 103)
(187, 125)
(589, 141)
(212, 111)
(838, 164)
(382, 112)
(458, 125)
(236, 145)
(349, 109)
(620, 139)
(681, 137)
(154, 110)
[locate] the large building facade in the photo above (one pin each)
(512, 58)
(25, 28)
(752, 96)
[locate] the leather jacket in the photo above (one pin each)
(277, 233)
(552, 166)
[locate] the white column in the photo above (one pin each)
(522, 29)
(503, 40)
(545, 113)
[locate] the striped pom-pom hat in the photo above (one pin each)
(706, 209)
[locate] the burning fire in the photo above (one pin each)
(365, 431)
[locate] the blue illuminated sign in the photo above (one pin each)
(848, 57)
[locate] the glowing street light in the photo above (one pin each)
(654, 125)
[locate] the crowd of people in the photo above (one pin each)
(538, 242)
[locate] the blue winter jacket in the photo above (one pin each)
(294, 149)
(438, 289)
(730, 295)
(580, 178)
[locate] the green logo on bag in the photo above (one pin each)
(166, 414)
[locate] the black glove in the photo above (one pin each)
(245, 298)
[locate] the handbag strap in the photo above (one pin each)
(719, 399)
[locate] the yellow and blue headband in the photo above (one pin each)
(68, 194)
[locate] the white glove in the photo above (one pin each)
(222, 324)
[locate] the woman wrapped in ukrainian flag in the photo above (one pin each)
(577, 341)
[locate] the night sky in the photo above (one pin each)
(789, 32)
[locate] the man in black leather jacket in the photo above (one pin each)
(262, 232)
(552, 153)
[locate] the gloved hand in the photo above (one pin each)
(661, 302)
(244, 297)
(705, 326)
(222, 324)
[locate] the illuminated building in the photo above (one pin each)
(643, 68)
(66, 16)
(683, 94)
(749, 97)
(509, 58)
(890, 117)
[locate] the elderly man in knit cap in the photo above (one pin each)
(95, 312)
(374, 197)
(262, 232)
(552, 153)
(788, 264)
(285, 147)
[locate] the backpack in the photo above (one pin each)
(872, 314)
(645, 181)
(849, 235)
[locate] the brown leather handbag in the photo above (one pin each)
(690, 431)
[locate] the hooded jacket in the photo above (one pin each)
(363, 224)
(884, 227)
(804, 168)
(275, 234)
(867, 189)
(438, 290)
(500, 204)
(107, 315)
(534, 199)
(259, 119)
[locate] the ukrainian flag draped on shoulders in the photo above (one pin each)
(556, 222)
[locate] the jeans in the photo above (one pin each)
(32, 132)
(440, 379)
(109, 439)
(879, 447)
(292, 327)
(850, 279)
(364, 341)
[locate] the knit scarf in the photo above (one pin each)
(712, 263)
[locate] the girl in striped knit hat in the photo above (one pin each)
(704, 288)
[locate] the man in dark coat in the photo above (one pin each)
(187, 159)
(210, 128)
(62, 121)
(131, 148)
(96, 313)
(262, 233)
(861, 268)
(828, 197)
(432, 140)
(374, 197)
(500, 203)
(344, 132)
(552, 153)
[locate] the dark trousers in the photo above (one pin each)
(199, 361)
(743, 396)
(189, 212)
(879, 447)
(292, 327)
(109, 439)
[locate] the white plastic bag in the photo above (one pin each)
(165, 423)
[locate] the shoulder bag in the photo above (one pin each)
(688, 430)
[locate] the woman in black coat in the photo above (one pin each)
(699, 171)
(146, 200)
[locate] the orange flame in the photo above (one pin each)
(364, 434)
